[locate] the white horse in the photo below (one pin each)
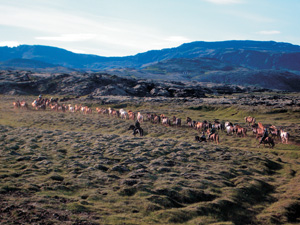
(284, 136)
(123, 114)
(229, 129)
(71, 108)
(140, 117)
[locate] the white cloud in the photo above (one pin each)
(79, 51)
(9, 43)
(68, 37)
(177, 39)
(269, 32)
(225, 2)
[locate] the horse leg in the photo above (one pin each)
(141, 132)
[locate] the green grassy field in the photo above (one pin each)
(89, 169)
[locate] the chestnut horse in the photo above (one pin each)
(16, 104)
(240, 130)
(24, 105)
(250, 120)
(214, 137)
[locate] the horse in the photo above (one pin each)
(165, 121)
(131, 115)
(218, 125)
(214, 137)
(274, 132)
(140, 117)
(228, 124)
(136, 130)
(229, 129)
(189, 122)
(123, 114)
(250, 120)
(176, 121)
(38, 105)
(42, 106)
(150, 117)
(24, 105)
(113, 112)
(200, 139)
(16, 104)
(240, 131)
(268, 141)
(259, 132)
(198, 125)
(53, 100)
(156, 119)
(71, 108)
(101, 110)
(284, 136)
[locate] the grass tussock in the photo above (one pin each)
(72, 168)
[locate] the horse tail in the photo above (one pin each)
(217, 139)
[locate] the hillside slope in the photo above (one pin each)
(254, 54)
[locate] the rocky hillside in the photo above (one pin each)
(103, 84)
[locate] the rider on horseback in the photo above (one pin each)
(137, 127)
(212, 131)
(265, 135)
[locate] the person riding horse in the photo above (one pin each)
(202, 138)
(212, 131)
(137, 128)
(265, 135)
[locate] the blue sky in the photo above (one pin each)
(128, 27)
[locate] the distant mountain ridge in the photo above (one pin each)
(254, 54)
(236, 62)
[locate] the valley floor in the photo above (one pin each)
(73, 168)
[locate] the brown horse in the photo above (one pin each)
(156, 119)
(199, 125)
(131, 115)
(274, 132)
(16, 104)
(240, 131)
(24, 105)
(259, 133)
(189, 122)
(250, 120)
(215, 138)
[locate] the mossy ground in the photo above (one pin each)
(88, 169)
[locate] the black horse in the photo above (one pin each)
(136, 130)
(269, 141)
(200, 139)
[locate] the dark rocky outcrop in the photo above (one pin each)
(103, 84)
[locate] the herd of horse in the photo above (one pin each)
(204, 127)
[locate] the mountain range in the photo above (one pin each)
(268, 64)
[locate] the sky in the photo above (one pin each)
(128, 27)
